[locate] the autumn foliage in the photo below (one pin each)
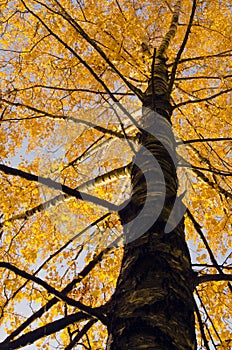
(72, 79)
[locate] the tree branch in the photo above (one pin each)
(60, 198)
(212, 184)
(213, 278)
(216, 171)
(80, 334)
(93, 43)
(224, 267)
(61, 117)
(58, 186)
(226, 53)
(48, 329)
(202, 99)
(201, 325)
(96, 92)
(52, 290)
(209, 139)
(201, 234)
(208, 317)
(59, 251)
(85, 64)
(86, 270)
(204, 77)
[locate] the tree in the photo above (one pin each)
(101, 205)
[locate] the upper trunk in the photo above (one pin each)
(152, 307)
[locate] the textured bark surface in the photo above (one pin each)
(153, 302)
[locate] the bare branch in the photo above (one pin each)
(224, 267)
(209, 139)
(41, 332)
(204, 77)
(213, 278)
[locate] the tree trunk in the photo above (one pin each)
(152, 307)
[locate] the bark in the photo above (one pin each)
(152, 307)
